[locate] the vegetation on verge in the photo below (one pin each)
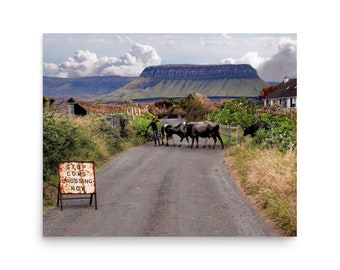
(268, 179)
(243, 112)
(88, 138)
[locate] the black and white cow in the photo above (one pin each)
(204, 130)
(168, 132)
(252, 129)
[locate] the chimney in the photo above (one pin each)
(285, 79)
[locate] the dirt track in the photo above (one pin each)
(161, 191)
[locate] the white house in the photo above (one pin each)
(284, 94)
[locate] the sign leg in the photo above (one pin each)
(58, 196)
(91, 199)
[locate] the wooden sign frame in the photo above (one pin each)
(76, 178)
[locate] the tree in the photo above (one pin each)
(197, 106)
(240, 111)
(266, 91)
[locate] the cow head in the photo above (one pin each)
(246, 131)
(251, 130)
(188, 127)
(184, 127)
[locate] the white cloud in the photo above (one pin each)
(274, 68)
(86, 63)
(145, 54)
(251, 58)
(53, 68)
(282, 64)
(226, 36)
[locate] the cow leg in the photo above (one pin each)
(163, 136)
(197, 142)
(166, 135)
(187, 142)
(182, 138)
(173, 140)
(162, 132)
(192, 142)
(220, 139)
(180, 142)
(206, 142)
(214, 138)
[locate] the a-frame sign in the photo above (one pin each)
(76, 178)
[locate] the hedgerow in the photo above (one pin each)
(282, 132)
(65, 140)
(245, 112)
(88, 138)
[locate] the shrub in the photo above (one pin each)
(65, 140)
(281, 135)
(245, 112)
(138, 132)
(240, 111)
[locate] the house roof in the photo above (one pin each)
(78, 109)
(284, 89)
(71, 100)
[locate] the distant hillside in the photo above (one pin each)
(273, 83)
(82, 88)
(180, 80)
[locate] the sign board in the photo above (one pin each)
(76, 178)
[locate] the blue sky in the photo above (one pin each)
(78, 55)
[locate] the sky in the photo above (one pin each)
(274, 56)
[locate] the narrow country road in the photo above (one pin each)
(161, 191)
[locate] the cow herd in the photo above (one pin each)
(194, 130)
(207, 130)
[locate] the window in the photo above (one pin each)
(293, 102)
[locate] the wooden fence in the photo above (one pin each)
(233, 134)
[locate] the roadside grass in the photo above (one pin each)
(268, 179)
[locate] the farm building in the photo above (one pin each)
(284, 94)
(71, 108)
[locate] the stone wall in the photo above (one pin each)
(115, 121)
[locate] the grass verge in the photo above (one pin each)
(268, 179)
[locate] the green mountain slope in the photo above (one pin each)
(84, 87)
(180, 88)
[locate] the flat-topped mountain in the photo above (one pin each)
(200, 72)
(181, 80)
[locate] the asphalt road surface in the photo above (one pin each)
(161, 191)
